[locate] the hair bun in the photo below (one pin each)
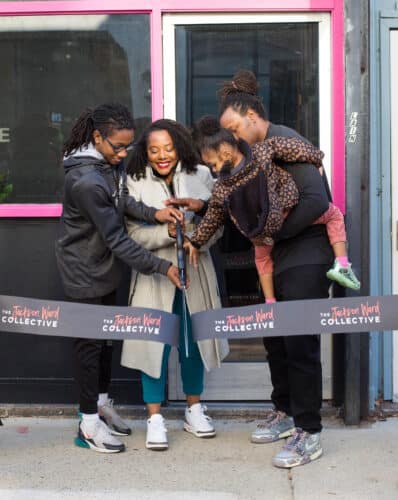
(244, 81)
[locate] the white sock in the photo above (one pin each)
(102, 398)
(89, 420)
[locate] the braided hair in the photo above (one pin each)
(182, 142)
(105, 118)
(208, 134)
(241, 94)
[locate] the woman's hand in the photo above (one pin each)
(191, 204)
(169, 214)
(193, 253)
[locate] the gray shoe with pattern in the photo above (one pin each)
(276, 426)
(300, 449)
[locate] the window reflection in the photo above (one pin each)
(55, 67)
(284, 57)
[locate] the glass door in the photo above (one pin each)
(290, 55)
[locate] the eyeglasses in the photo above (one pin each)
(118, 149)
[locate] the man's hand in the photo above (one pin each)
(191, 204)
(174, 276)
(193, 253)
(169, 214)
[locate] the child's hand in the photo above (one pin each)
(193, 253)
(270, 301)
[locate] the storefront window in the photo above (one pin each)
(284, 57)
(52, 68)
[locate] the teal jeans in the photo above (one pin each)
(191, 368)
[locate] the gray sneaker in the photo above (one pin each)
(301, 448)
(116, 425)
(276, 426)
(100, 439)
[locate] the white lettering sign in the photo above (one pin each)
(4, 135)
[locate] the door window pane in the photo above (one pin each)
(284, 57)
(52, 69)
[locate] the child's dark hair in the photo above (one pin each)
(182, 142)
(208, 134)
(241, 94)
(104, 118)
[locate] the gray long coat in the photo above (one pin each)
(155, 290)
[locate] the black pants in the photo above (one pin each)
(93, 362)
(295, 361)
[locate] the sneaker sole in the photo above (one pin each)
(342, 281)
(157, 446)
(209, 434)
(82, 443)
(311, 458)
(282, 435)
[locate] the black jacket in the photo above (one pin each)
(299, 242)
(92, 238)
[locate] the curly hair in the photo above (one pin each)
(241, 94)
(208, 134)
(182, 142)
(104, 118)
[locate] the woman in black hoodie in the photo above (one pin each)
(91, 245)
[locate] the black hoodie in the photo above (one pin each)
(92, 237)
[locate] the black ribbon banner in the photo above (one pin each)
(69, 319)
(301, 317)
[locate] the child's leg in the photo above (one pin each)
(335, 227)
(264, 266)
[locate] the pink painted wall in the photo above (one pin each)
(155, 8)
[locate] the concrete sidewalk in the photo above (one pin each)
(39, 461)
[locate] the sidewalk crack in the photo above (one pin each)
(290, 479)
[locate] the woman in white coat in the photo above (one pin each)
(164, 165)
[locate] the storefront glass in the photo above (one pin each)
(53, 67)
(284, 57)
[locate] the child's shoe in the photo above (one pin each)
(344, 276)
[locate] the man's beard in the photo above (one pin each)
(226, 169)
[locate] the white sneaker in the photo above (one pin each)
(156, 433)
(197, 422)
(99, 439)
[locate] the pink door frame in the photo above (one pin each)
(155, 8)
